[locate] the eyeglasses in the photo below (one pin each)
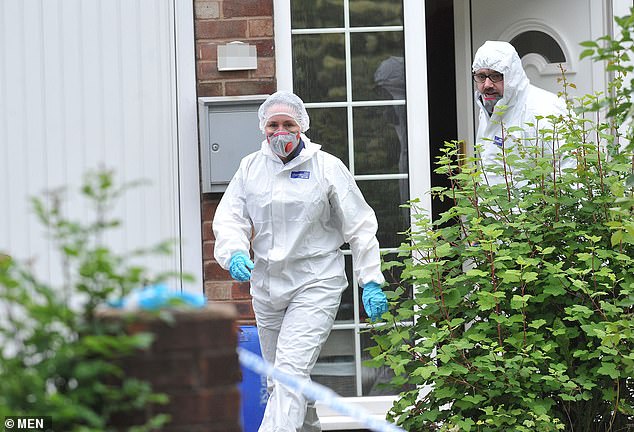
(494, 77)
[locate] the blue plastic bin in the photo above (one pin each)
(253, 387)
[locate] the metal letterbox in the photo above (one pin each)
(229, 130)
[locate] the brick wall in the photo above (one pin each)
(194, 361)
(219, 286)
(218, 22)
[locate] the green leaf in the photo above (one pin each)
(476, 273)
(444, 250)
(537, 323)
(580, 311)
(530, 276)
(486, 301)
(608, 369)
(586, 53)
(519, 302)
(591, 44)
(474, 399)
(510, 276)
(617, 237)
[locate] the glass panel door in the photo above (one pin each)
(349, 68)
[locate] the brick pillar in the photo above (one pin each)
(193, 360)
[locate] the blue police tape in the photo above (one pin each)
(316, 392)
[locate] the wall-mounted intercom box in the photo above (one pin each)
(229, 130)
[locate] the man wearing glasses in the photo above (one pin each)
(506, 98)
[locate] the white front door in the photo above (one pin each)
(546, 33)
(87, 84)
(346, 60)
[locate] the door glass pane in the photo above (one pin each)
(380, 140)
(329, 127)
(392, 281)
(364, 13)
(319, 73)
(376, 381)
(393, 275)
(317, 14)
(335, 367)
(376, 58)
(389, 79)
(349, 76)
(385, 197)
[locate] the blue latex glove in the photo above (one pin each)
(240, 267)
(374, 300)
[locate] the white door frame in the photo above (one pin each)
(190, 220)
(464, 88)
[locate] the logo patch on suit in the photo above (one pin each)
(498, 141)
(300, 174)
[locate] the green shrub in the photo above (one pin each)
(58, 359)
(523, 312)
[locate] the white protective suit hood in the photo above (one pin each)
(522, 103)
(502, 57)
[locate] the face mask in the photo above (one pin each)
(283, 142)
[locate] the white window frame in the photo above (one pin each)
(418, 150)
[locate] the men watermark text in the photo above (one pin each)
(28, 423)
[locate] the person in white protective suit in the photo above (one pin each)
(295, 205)
(502, 83)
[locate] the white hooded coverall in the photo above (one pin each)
(522, 101)
(301, 213)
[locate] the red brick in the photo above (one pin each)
(183, 334)
(207, 231)
(208, 250)
(205, 9)
(260, 27)
(241, 291)
(182, 367)
(245, 309)
(266, 68)
(204, 427)
(210, 89)
(264, 47)
(219, 368)
(239, 88)
(207, 51)
(214, 336)
(221, 29)
(133, 418)
(243, 8)
(213, 272)
(209, 208)
(218, 404)
(218, 291)
(208, 71)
